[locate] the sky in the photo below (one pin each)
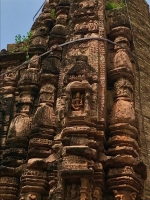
(16, 17)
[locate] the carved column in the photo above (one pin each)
(14, 152)
(123, 177)
(7, 92)
(79, 113)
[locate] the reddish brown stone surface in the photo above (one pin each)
(70, 121)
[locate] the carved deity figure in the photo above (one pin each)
(73, 192)
(77, 102)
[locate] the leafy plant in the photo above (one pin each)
(23, 43)
(19, 38)
(113, 5)
(27, 56)
(53, 14)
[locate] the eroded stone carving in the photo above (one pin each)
(54, 141)
(77, 102)
(20, 126)
(73, 192)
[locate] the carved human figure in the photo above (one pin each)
(73, 192)
(77, 102)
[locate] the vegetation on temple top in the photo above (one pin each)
(53, 14)
(19, 38)
(22, 43)
(113, 5)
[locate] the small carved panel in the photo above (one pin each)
(72, 191)
(124, 88)
(77, 103)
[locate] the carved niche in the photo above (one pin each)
(78, 94)
(78, 98)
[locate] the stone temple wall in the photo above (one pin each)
(74, 123)
(140, 20)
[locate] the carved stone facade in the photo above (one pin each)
(61, 137)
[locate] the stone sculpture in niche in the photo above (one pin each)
(77, 102)
(73, 192)
(77, 99)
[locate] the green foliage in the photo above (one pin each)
(27, 57)
(111, 5)
(53, 14)
(19, 38)
(22, 43)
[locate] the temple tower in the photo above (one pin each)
(73, 119)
